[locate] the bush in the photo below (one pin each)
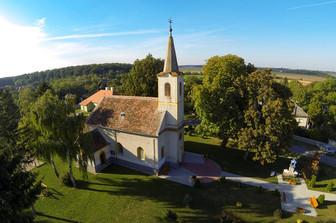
(66, 180)
(321, 199)
(277, 213)
(239, 204)
(197, 183)
(187, 200)
(276, 193)
(330, 186)
(260, 189)
(312, 181)
(171, 216)
(222, 180)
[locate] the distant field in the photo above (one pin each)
(304, 79)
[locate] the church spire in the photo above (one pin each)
(170, 64)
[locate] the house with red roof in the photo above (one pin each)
(91, 102)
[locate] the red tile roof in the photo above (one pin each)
(97, 97)
(132, 114)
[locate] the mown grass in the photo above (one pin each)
(122, 195)
(232, 160)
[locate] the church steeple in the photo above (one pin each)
(170, 64)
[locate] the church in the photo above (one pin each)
(142, 133)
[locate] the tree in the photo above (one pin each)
(42, 128)
(142, 79)
(218, 100)
(18, 188)
(268, 123)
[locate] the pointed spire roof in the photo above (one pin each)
(170, 64)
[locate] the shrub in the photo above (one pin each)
(171, 216)
(312, 181)
(260, 189)
(320, 199)
(197, 183)
(276, 193)
(222, 180)
(66, 180)
(277, 213)
(330, 186)
(187, 200)
(239, 204)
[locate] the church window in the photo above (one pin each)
(140, 153)
(162, 152)
(120, 149)
(167, 89)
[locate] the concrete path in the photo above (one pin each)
(295, 196)
(292, 196)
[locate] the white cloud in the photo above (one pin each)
(312, 5)
(41, 22)
(22, 49)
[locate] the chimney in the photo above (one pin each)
(111, 89)
(106, 88)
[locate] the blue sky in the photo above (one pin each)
(42, 34)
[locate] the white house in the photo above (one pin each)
(301, 117)
(143, 133)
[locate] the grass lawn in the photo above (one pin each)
(123, 195)
(232, 160)
(327, 174)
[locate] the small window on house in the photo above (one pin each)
(122, 114)
(167, 89)
(140, 153)
(162, 152)
(120, 149)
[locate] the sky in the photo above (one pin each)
(37, 35)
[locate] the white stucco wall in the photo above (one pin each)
(302, 122)
(173, 103)
(130, 143)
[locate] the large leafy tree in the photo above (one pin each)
(236, 101)
(18, 188)
(218, 100)
(142, 79)
(268, 122)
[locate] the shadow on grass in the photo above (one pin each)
(53, 218)
(232, 160)
(207, 202)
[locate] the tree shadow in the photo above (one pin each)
(53, 218)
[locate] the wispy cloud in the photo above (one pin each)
(98, 35)
(313, 5)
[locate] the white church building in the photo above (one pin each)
(142, 133)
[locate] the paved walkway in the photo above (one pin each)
(194, 165)
(293, 196)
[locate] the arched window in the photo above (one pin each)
(120, 149)
(167, 89)
(162, 152)
(102, 157)
(140, 153)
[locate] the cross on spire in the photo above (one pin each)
(170, 26)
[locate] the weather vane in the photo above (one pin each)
(170, 25)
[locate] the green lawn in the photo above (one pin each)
(123, 195)
(232, 160)
(327, 174)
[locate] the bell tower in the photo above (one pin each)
(171, 86)
(170, 100)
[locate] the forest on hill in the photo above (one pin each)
(32, 79)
